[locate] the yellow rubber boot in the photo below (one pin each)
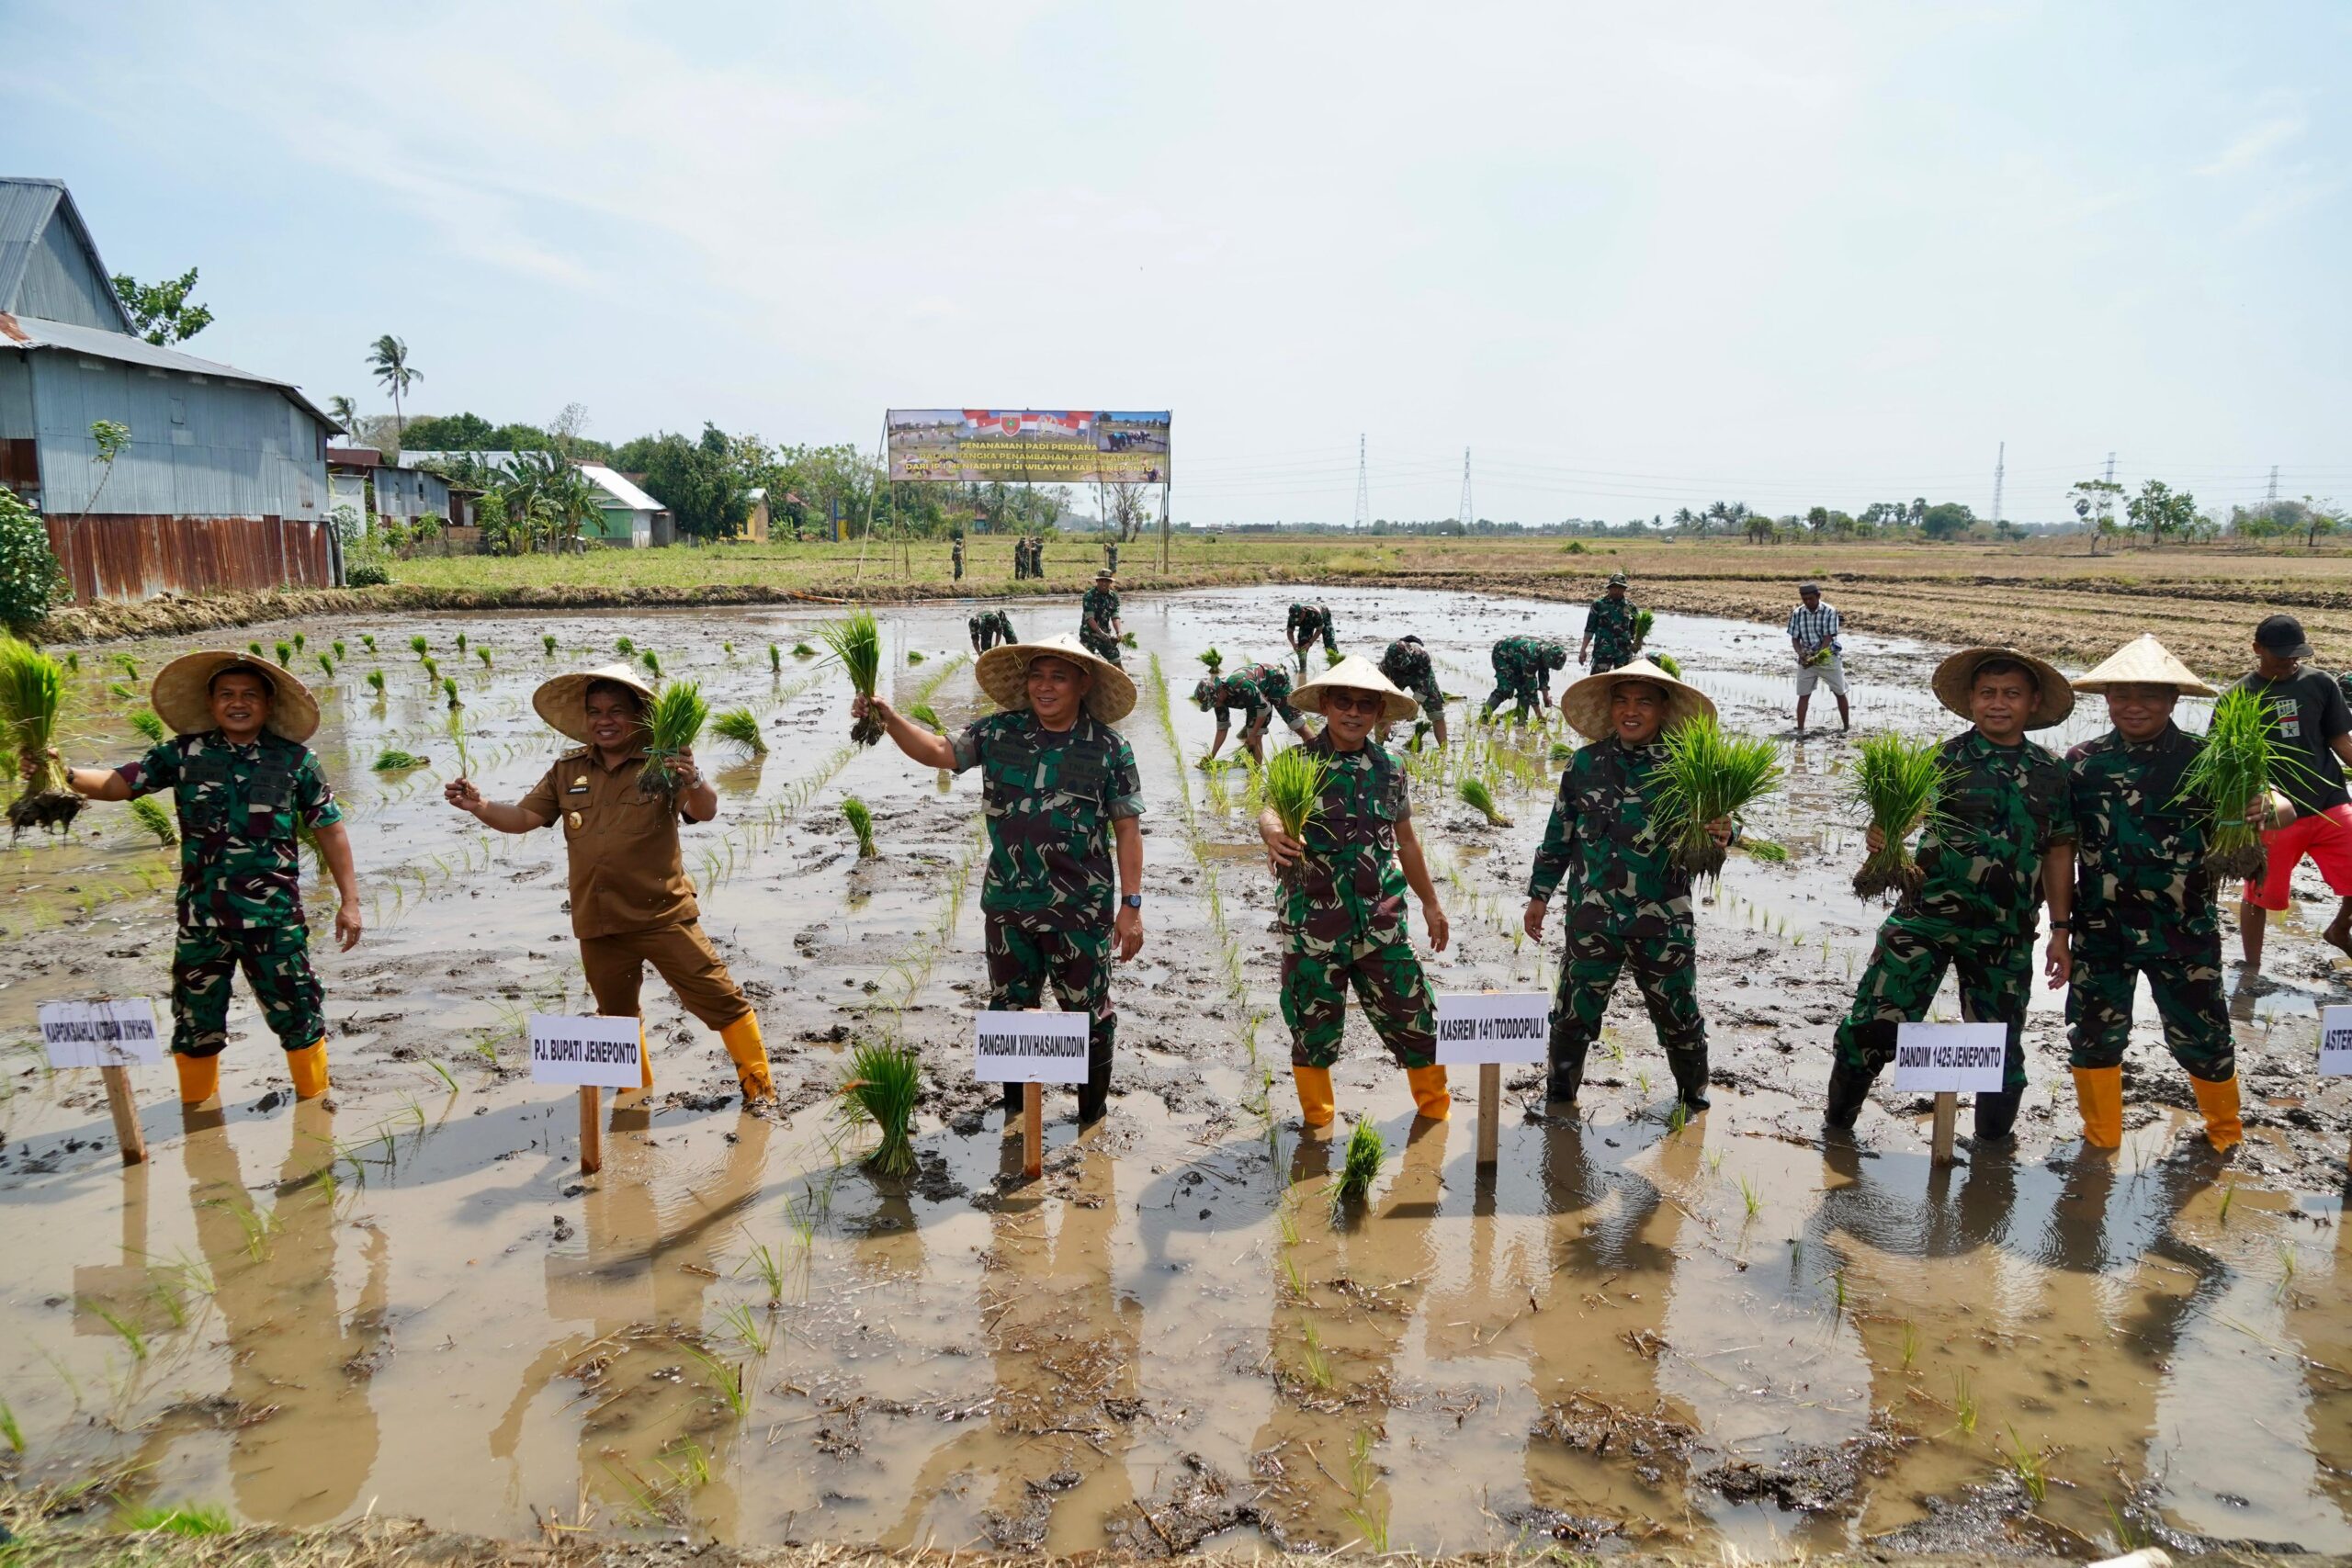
(743, 1040)
(1431, 1097)
(1315, 1103)
(199, 1076)
(2098, 1095)
(2219, 1101)
(308, 1067)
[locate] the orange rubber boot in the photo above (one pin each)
(199, 1076)
(2219, 1101)
(1315, 1103)
(750, 1052)
(644, 1059)
(1431, 1097)
(308, 1067)
(2098, 1095)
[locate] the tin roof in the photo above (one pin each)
(619, 488)
(27, 207)
(32, 333)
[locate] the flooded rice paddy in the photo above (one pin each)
(406, 1298)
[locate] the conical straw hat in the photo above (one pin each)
(1357, 674)
(1956, 674)
(563, 701)
(1003, 674)
(2143, 661)
(182, 694)
(1586, 703)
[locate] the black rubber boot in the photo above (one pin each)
(1996, 1114)
(1094, 1094)
(1567, 1074)
(1849, 1091)
(1015, 1099)
(1689, 1082)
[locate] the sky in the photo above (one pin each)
(1629, 257)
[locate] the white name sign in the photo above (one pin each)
(111, 1034)
(1478, 1027)
(1949, 1059)
(1030, 1047)
(589, 1051)
(2336, 1042)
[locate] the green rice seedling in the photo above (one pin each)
(129, 665)
(740, 727)
(802, 650)
(74, 662)
(1562, 751)
(775, 660)
(326, 666)
(367, 641)
(547, 644)
(1292, 1278)
(2128, 1536)
(1319, 1360)
(728, 648)
(734, 1387)
(121, 691)
(913, 657)
(376, 682)
(1898, 783)
(448, 1078)
(185, 1519)
(2229, 1195)
(339, 654)
(299, 640)
(673, 724)
(394, 761)
(1361, 1165)
(1481, 799)
(653, 662)
(926, 716)
(2241, 763)
(418, 646)
(458, 740)
(624, 646)
(255, 649)
(155, 820)
(861, 822)
(1765, 850)
(856, 642)
(432, 671)
(1213, 659)
(1669, 663)
(149, 725)
(1293, 783)
(754, 1336)
(769, 1265)
(1331, 656)
(127, 1331)
(1372, 1524)
(1644, 623)
(9, 1429)
(482, 654)
(32, 690)
(1709, 775)
(1963, 1403)
(882, 1084)
(461, 642)
(2286, 1253)
(2027, 1466)
(450, 690)
(285, 654)
(1910, 1344)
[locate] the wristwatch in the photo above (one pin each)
(1132, 900)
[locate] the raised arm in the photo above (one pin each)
(502, 817)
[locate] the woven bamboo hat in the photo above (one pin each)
(1955, 675)
(1003, 674)
(1357, 674)
(563, 701)
(2143, 661)
(182, 694)
(1586, 703)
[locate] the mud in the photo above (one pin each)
(1626, 1337)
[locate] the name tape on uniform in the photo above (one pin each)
(111, 1034)
(2336, 1042)
(1476, 1028)
(590, 1052)
(1949, 1059)
(1030, 1047)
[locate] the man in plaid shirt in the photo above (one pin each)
(1814, 626)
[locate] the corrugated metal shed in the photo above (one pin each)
(49, 264)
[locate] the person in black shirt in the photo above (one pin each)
(2314, 725)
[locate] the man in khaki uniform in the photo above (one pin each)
(631, 904)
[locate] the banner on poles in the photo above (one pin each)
(2336, 1042)
(589, 1052)
(1508, 1027)
(1029, 445)
(1030, 1047)
(107, 1034)
(1949, 1059)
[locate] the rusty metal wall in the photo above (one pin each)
(137, 557)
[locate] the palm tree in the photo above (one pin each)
(345, 413)
(1684, 517)
(390, 361)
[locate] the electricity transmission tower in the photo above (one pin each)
(1363, 489)
(2110, 467)
(2000, 472)
(1467, 515)
(2272, 503)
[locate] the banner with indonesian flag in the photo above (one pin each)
(1029, 445)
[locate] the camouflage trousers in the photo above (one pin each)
(276, 962)
(1023, 959)
(1524, 694)
(1100, 646)
(2187, 993)
(1389, 986)
(1665, 971)
(1908, 965)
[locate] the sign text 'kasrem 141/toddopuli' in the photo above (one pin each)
(108, 1033)
(1949, 1059)
(591, 1052)
(1030, 1047)
(1478, 1027)
(2336, 1042)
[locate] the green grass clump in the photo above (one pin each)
(155, 820)
(861, 822)
(673, 724)
(1709, 774)
(883, 1083)
(1479, 799)
(149, 724)
(32, 690)
(1293, 787)
(395, 760)
(180, 1519)
(2240, 763)
(856, 642)
(741, 727)
(1898, 781)
(1361, 1165)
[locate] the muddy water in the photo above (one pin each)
(407, 1298)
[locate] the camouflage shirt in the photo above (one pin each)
(1407, 667)
(1350, 868)
(1522, 660)
(1099, 608)
(1610, 625)
(240, 862)
(1050, 798)
(2140, 877)
(1306, 622)
(1605, 829)
(2003, 806)
(1239, 690)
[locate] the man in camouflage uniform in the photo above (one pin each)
(956, 557)
(2143, 900)
(1308, 620)
(1343, 899)
(1259, 691)
(1407, 664)
(1628, 902)
(245, 785)
(1061, 791)
(1609, 628)
(2004, 839)
(1098, 617)
(1523, 667)
(988, 628)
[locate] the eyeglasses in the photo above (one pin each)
(1355, 701)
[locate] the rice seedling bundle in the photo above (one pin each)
(673, 724)
(461, 642)
(1562, 751)
(1669, 663)
(367, 641)
(482, 654)
(155, 820)
(740, 727)
(376, 682)
(2241, 763)
(913, 657)
(1331, 656)
(546, 641)
(856, 642)
(285, 655)
(1644, 623)
(775, 660)
(129, 665)
(395, 760)
(1898, 783)
(928, 717)
(418, 646)
(653, 662)
(254, 649)
(728, 648)
(1479, 799)
(339, 654)
(432, 669)
(1420, 733)
(882, 1084)
(624, 646)
(1293, 783)
(326, 666)
(74, 662)
(1213, 659)
(1361, 1165)
(450, 690)
(1128, 638)
(149, 724)
(121, 691)
(1709, 775)
(32, 689)
(458, 739)
(861, 822)
(802, 650)
(299, 640)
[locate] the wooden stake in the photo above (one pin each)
(1032, 1129)
(1947, 1118)
(592, 1130)
(126, 1136)
(1490, 1100)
